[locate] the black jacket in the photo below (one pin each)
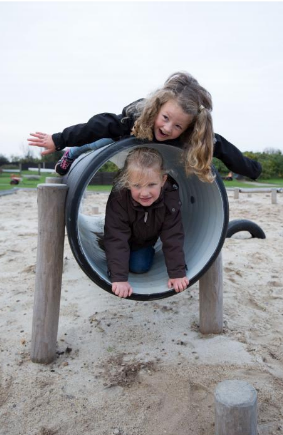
(117, 127)
(130, 226)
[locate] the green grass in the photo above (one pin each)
(236, 183)
(5, 179)
(99, 188)
(276, 181)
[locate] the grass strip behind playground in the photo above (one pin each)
(27, 183)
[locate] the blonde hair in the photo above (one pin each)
(142, 159)
(197, 140)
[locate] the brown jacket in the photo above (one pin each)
(130, 226)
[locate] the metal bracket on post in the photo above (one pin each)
(49, 268)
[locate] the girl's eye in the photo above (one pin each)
(165, 117)
(179, 127)
(152, 184)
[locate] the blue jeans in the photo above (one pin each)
(141, 260)
(75, 152)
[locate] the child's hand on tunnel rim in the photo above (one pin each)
(179, 284)
(122, 289)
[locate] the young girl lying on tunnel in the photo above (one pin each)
(178, 114)
(143, 205)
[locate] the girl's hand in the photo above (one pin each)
(122, 289)
(42, 140)
(179, 284)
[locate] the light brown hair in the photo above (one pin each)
(142, 159)
(197, 140)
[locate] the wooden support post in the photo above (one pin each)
(273, 196)
(235, 408)
(236, 192)
(49, 267)
(211, 299)
(54, 180)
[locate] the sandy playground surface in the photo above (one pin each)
(140, 368)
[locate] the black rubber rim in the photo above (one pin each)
(73, 201)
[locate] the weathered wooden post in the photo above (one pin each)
(235, 408)
(49, 267)
(211, 299)
(273, 196)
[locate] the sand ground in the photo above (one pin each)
(140, 368)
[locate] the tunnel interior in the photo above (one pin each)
(204, 212)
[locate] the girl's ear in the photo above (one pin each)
(164, 178)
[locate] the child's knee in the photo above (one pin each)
(141, 260)
(139, 268)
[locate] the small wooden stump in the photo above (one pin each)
(49, 267)
(235, 408)
(236, 193)
(211, 299)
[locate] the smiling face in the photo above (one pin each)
(145, 186)
(171, 121)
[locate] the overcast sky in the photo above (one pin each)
(63, 62)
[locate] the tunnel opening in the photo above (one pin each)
(205, 214)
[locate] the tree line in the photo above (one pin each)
(271, 161)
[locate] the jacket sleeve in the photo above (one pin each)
(103, 125)
(172, 238)
(234, 159)
(117, 233)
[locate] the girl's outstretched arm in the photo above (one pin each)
(234, 159)
(42, 140)
(179, 284)
(122, 289)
